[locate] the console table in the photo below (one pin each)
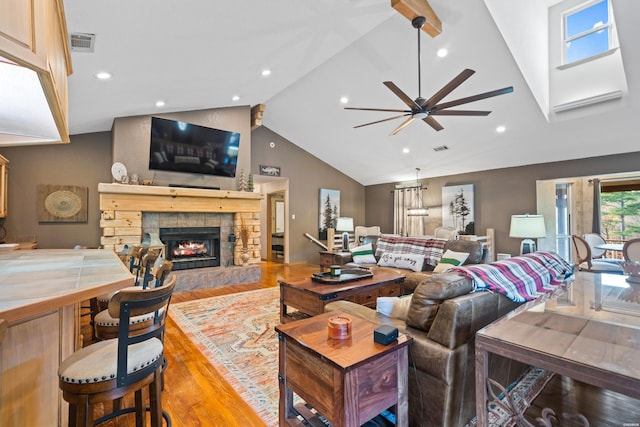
(347, 381)
(591, 333)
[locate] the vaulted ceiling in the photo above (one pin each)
(198, 54)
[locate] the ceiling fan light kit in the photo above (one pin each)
(424, 109)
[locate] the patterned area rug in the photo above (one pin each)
(236, 334)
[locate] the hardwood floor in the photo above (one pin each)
(195, 394)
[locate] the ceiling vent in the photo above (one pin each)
(441, 148)
(82, 42)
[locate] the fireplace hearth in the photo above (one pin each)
(191, 247)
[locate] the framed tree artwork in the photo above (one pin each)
(329, 211)
(458, 208)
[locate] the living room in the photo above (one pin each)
(500, 191)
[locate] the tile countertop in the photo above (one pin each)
(36, 281)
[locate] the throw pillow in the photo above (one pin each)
(449, 260)
(395, 307)
(408, 261)
(363, 254)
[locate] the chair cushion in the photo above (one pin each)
(98, 362)
(104, 319)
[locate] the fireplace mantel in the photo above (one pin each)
(145, 198)
(122, 207)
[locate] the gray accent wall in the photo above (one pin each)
(85, 161)
(499, 193)
(307, 175)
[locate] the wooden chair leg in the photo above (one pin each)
(84, 412)
(155, 399)
(141, 412)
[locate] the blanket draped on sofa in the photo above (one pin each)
(521, 278)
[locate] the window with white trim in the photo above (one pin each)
(587, 31)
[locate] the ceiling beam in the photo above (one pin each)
(411, 9)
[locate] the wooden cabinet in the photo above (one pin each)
(33, 34)
(4, 186)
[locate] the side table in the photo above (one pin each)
(349, 381)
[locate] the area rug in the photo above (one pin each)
(236, 335)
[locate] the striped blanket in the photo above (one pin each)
(521, 278)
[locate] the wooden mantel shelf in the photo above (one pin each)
(122, 197)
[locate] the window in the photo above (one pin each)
(620, 209)
(587, 31)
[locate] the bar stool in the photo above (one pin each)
(108, 370)
(106, 326)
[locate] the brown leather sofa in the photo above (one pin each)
(442, 318)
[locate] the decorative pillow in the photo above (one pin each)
(449, 260)
(363, 254)
(395, 307)
(409, 261)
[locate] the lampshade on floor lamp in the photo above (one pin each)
(527, 227)
(345, 225)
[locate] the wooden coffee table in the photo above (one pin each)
(348, 381)
(310, 297)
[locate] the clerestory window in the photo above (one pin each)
(587, 31)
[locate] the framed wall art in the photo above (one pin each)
(62, 203)
(458, 208)
(329, 211)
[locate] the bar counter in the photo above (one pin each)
(40, 295)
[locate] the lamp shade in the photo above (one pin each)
(527, 226)
(344, 224)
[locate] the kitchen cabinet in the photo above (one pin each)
(34, 48)
(4, 186)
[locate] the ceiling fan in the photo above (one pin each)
(425, 109)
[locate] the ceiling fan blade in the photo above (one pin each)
(449, 87)
(402, 125)
(472, 98)
(433, 123)
(380, 121)
(378, 109)
(460, 113)
(403, 96)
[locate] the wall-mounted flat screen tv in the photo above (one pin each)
(184, 147)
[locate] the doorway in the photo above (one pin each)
(276, 226)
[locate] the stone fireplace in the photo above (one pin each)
(130, 211)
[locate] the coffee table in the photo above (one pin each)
(589, 333)
(310, 297)
(347, 381)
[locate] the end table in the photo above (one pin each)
(349, 381)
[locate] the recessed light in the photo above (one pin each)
(405, 150)
(235, 98)
(442, 53)
(500, 129)
(103, 75)
(160, 104)
(344, 100)
(266, 73)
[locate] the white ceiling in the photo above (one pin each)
(197, 54)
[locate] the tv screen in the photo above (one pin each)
(183, 147)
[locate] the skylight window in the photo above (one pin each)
(587, 31)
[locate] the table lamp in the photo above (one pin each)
(528, 227)
(345, 225)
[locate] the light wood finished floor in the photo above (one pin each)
(196, 395)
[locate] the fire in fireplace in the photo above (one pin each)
(192, 247)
